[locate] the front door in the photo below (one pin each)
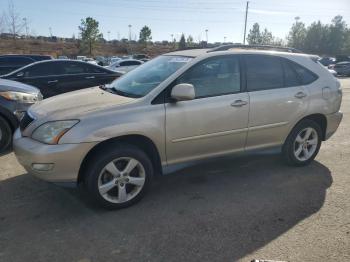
(216, 121)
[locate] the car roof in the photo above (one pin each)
(203, 52)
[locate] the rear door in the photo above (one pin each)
(75, 76)
(277, 99)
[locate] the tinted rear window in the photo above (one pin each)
(263, 72)
(306, 76)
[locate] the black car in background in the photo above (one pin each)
(9, 63)
(60, 76)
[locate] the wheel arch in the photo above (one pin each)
(320, 119)
(142, 142)
(10, 118)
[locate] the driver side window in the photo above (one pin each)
(214, 76)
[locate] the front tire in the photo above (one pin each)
(303, 143)
(118, 177)
(5, 134)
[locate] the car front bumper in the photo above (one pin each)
(53, 163)
(333, 121)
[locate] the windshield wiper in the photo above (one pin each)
(123, 93)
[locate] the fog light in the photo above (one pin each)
(42, 167)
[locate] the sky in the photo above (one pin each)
(222, 18)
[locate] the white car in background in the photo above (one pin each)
(124, 66)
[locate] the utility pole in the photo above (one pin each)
(109, 32)
(245, 23)
(224, 39)
(129, 32)
(206, 34)
(26, 26)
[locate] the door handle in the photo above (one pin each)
(300, 95)
(52, 81)
(89, 77)
(239, 103)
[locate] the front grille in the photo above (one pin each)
(25, 121)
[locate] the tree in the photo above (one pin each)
(145, 34)
(189, 41)
(182, 43)
(297, 34)
(89, 33)
(14, 21)
(254, 36)
(266, 37)
(337, 34)
(2, 23)
(316, 39)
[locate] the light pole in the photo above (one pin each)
(109, 32)
(50, 30)
(129, 32)
(224, 39)
(206, 34)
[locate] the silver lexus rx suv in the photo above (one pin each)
(182, 106)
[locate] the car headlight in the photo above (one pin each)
(21, 97)
(51, 132)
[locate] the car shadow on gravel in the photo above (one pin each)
(220, 210)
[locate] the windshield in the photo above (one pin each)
(146, 77)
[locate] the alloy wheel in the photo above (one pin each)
(121, 180)
(305, 144)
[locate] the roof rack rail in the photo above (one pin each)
(259, 47)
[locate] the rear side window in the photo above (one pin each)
(306, 76)
(70, 68)
(263, 72)
(95, 69)
(291, 77)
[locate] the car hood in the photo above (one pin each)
(77, 104)
(9, 85)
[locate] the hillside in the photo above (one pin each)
(71, 49)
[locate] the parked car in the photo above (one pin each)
(124, 66)
(140, 56)
(326, 61)
(63, 57)
(9, 63)
(90, 61)
(182, 106)
(60, 76)
(342, 68)
(15, 99)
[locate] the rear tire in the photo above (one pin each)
(5, 134)
(118, 176)
(303, 143)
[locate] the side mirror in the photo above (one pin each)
(20, 74)
(183, 92)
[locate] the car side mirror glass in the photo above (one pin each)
(183, 92)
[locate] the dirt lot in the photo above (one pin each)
(233, 209)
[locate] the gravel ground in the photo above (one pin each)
(231, 209)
